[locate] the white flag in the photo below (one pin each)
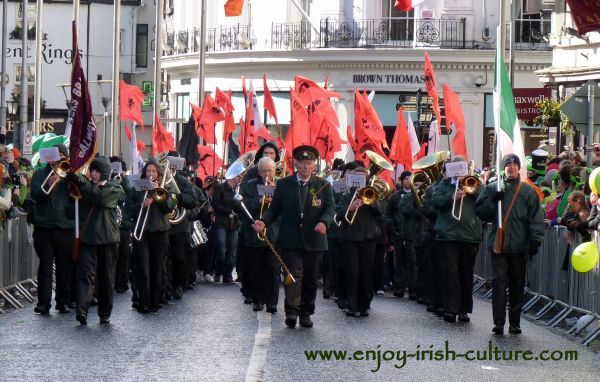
(434, 137)
(412, 136)
(135, 155)
(257, 114)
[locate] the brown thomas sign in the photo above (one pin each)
(525, 100)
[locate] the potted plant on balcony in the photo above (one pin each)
(551, 115)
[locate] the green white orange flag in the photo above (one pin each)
(508, 129)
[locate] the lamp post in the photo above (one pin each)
(12, 108)
(105, 91)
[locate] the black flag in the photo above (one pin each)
(188, 145)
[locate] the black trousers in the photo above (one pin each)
(422, 264)
(300, 296)
(339, 265)
(206, 256)
(263, 274)
(436, 274)
(149, 254)
(328, 270)
(379, 267)
(405, 267)
(122, 267)
(359, 273)
(54, 246)
(509, 271)
(192, 265)
(459, 260)
(179, 246)
(96, 276)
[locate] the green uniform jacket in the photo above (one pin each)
(186, 200)
(299, 218)
(414, 219)
(526, 221)
(366, 222)
(157, 215)
(101, 227)
(394, 217)
(447, 228)
(253, 201)
(55, 210)
(126, 210)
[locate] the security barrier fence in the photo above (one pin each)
(556, 295)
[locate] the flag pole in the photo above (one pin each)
(115, 131)
(202, 52)
(37, 100)
(500, 46)
(157, 57)
(3, 130)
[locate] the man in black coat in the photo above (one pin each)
(306, 206)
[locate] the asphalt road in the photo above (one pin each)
(211, 336)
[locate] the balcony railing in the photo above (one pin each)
(395, 32)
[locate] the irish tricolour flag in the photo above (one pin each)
(508, 130)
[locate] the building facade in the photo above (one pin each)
(356, 44)
(95, 49)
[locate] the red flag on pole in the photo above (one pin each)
(351, 139)
(223, 100)
(206, 118)
(268, 103)
(131, 99)
(299, 124)
(431, 86)
(406, 5)
(586, 15)
(233, 7)
(366, 117)
(162, 140)
(454, 115)
(209, 162)
(81, 127)
(401, 152)
(308, 91)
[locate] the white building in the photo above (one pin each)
(366, 44)
(95, 45)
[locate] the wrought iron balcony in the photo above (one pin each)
(291, 36)
(226, 38)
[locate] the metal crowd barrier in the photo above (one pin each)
(556, 294)
(18, 262)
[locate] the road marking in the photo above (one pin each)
(262, 339)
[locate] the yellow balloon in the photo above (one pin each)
(594, 180)
(585, 257)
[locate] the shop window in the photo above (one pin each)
(141, 45)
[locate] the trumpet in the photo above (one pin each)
(60, 169)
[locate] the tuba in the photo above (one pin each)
(376, 189)
(241, 165)
(428, 170)
(59, 169)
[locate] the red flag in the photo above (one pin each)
(586, 15)
(162, 140)
(421, 152)
(131, 99)
(81, 127)
(454, 115)
(233, 7)
(299, 131)
(308, 91)
(206, 118)
(141, 146)
(400, 152)
(248, 139)
(367, 119)
(223, 100)
(351, 139)
(431, 86)
(268, 103)
(209, 162)
(406, 5)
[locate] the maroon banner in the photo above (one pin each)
(525, 100)
(80, 124)
(585, 14)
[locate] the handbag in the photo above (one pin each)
(500, 232)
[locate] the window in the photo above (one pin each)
(141, 45)
(30, 74)
(401, 24)
(31, 15)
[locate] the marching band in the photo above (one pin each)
(347, 226)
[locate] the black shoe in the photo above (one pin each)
(247, 300)
(72, 305)
(257, 307)
(43, 310)
(63, 309)
(450, 317)
(420, 300)
(306, 322)
(104, 320)
(326, 295)
(463, 317)
(82, 318)
(399, 294)
(514, 330)
(227, 280)
(178, 293)
(94, 301)
(431, 309)
(412, 296)
(271, 309)
(497, 329)
(120, 290)
(351, 313)
(290, 321)
(439, 312)
(342, 304)
(364, 313)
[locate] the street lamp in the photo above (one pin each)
(105, 91)
(12, 107)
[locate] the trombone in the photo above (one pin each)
(60, 169)
(469, 185)
(159, 195)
